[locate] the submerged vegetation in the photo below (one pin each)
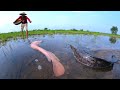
(15, 35)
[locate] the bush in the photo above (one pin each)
(46, 29)
(74, 29)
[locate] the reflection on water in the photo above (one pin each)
(112, 40)
(19, 61)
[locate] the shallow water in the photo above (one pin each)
(19, 61)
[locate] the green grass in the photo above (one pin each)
(7, 36)
(15, 35)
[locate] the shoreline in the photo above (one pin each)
(14, 35)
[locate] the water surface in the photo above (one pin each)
(19, 61)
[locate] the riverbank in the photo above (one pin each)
(15, 35)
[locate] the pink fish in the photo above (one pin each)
(58, 68)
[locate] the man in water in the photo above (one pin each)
(24, 19)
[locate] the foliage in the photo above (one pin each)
(114, 30)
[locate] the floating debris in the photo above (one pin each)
(36, 60)
(39, 67)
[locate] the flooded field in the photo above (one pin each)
(19, 61)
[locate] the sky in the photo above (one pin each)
(99, 21)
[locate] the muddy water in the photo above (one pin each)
(19, 61)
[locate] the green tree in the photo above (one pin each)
(45, 28)
(74, 29)
(114, 30)
(81, 29)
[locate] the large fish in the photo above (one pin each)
(58, 68)
(91, 61)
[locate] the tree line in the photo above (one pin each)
(114, 29)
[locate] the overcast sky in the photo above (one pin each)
(100, 21)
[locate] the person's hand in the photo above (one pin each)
(35, 44)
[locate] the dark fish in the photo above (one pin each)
(88, 60)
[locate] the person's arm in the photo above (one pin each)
(28, 19)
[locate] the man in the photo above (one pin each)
(24, 19)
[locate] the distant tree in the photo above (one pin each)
(74, 29)
(114, 30)
(45, 28)
(81, 29)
